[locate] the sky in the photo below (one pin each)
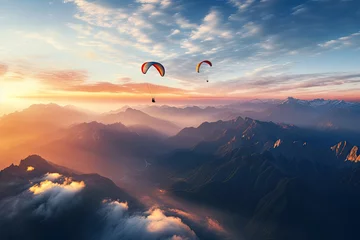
(91, 51)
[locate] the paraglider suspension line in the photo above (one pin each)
(149, 90)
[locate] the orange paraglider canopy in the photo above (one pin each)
(145, 67)
(199, 64)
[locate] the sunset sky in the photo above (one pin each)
(91, 51)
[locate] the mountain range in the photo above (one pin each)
(131, 117)
(280, 180)
(268, 169)
(319, 113)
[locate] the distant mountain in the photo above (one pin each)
(136, 117)
(112, 150)
(191, 116)
(254, 105)
(40, 200)
(347, 151)
(326, 114)
(207, 131)
(281, 180)
(35, 121)
(147, 132)
(322, 103)
(34, 167)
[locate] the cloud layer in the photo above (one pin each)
(54, 199)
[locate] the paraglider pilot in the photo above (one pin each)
(145, 67)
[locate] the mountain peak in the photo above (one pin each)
(353, 155)
(277, 143)
(33, 160)
(341, 149)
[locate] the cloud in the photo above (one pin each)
(242, 4)
(30, 169)
(70, 83)
(182, 213)
(299, 9)
(133, 25)
(57, 196)
(175, 32)
(183, 23)
(259, 33)
(52, 176)
(45, 198)
(48, 186)
(211, 28)
(139, 88)
(250, 29)
(352, 40)
(49, 40)
(154, 224)
(273, 69)
(124, 80)
(82, 29)
(96, 14)
(263, 31)
(283, 84)
(60, 202)
(62, 77)
(215, 225)
(114, 210)
(3, 69)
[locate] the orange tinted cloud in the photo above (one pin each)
(182, 213)
(214, 225)
(30, 169)
(3, 69)
(140, 88)
(63, 77)
(124, 80)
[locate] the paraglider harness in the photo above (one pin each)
(153, 100)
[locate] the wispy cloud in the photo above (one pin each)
(352, 40)
(47, 39)
(299, 9)
(273, 69)
(284, 84)
(3, 69)
(242, 4)
(211, 28)
(62, 78)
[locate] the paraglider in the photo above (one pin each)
(159, 67)
(199, 65)
(145, 67)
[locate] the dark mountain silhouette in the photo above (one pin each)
(51, 202)
(15, 177)
(136, 117)
(281, 180)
